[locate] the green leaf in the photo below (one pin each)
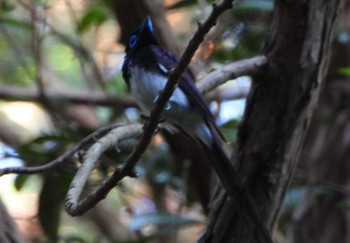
(50, 203)
(344, 70)
(42, 149)
(93, 17)
(50, 138)
(229, 129)
(16, 23)
(7, 6)
(20, 181)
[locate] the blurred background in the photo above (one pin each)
(60, 80)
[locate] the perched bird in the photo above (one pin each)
(145, 69)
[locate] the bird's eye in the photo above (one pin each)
(132, 41)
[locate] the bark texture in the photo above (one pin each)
(324, 167)
(278, 111)
(321, 216)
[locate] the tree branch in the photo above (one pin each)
(82, 97)
(208, 83)
(231, 71)
(67, 155)
(88, 164)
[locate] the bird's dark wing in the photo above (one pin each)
(166, 60)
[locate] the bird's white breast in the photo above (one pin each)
(146, 87)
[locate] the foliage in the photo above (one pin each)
(344, 70)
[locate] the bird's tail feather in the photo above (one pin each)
(232, 183)
(237, 191)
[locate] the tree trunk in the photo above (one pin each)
(278, 111)
(321, 215)
(324, 169)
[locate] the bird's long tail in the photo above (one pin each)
(237, 191)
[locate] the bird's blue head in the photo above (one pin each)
(142, 37)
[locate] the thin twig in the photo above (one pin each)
(58, 161)
(37, 40)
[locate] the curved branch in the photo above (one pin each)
(249, 66)
(88, 164)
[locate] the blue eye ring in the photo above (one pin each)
(133, 41)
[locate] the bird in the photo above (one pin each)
(145, 69)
